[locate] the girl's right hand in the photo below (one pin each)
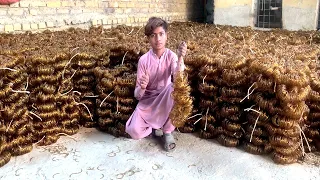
(144, 80)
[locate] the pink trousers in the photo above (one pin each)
(152, 112)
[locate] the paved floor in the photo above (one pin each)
(91, 154)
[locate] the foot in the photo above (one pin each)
(157, 132)
(169, 142)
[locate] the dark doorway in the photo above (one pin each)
(269, 14)
(208, 11)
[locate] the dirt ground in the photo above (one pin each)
(91, 154)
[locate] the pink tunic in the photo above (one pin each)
(155, 102)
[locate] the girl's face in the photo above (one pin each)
(158, 39)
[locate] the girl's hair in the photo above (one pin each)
(153, 23)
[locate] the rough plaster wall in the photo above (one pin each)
(234, 15)
(295, 18)
(300, 14)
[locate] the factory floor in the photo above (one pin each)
(91, 154)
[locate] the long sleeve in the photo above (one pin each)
(177, 65)
(138, 92)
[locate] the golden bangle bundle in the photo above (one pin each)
(128, 81)
(16, 128)
(189, 70)
(237, 82)
(312, 133)
(228, 141)
(122, 91)
(283, 141)
(256, 140)
(254, 149)
(104, 112)
(104, 122)
(70, 130)
(120, 117)
(292, 95)
(69, 115)
(206, 135)
(215, 79)
(231, 92)
(262, 120)
(284, 122)
(186, 129)
(292, 132)
(233, 76)
(233, 134)
(295, 111)
(266, 103)
(235, 63)
(230, 110)
(282, 159)
(264, 84)
(314, 83)
(4, 158)
(209, 71)
(231, 100)
(288, 151)
(314, 107)
(86, 80)
(182, 106)
(292, 78)
(209, 119)
(204, 78)
(257, 131)
(230, 126)
(198, 61)
(221, 65)
(44, 88)
(314, 96)
(211, 104)
(207, 89)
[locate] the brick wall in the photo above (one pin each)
(38, 15)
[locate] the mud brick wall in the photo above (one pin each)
(37, 15)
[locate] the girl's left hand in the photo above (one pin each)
(182, 50)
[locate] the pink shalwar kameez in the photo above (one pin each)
(155, 102)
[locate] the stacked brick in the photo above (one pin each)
(40, 15)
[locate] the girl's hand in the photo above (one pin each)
(182, 49)
(144, 80)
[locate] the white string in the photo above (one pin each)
(9, 125)
(205, 126)
(27, 85)
(203, 79)
(197, 121)
(5, 68)
(124, 57)
(248, 95)
(86, 108)
(254, 127)
(194, 116)
(64, 69)
(105, 98)
(67, 92)
(35, 115)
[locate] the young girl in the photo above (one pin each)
(154, 85)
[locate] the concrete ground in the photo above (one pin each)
(91, 154)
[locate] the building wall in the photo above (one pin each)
(296, 14)
(233, 12)
(60, 14)
(300, 14)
